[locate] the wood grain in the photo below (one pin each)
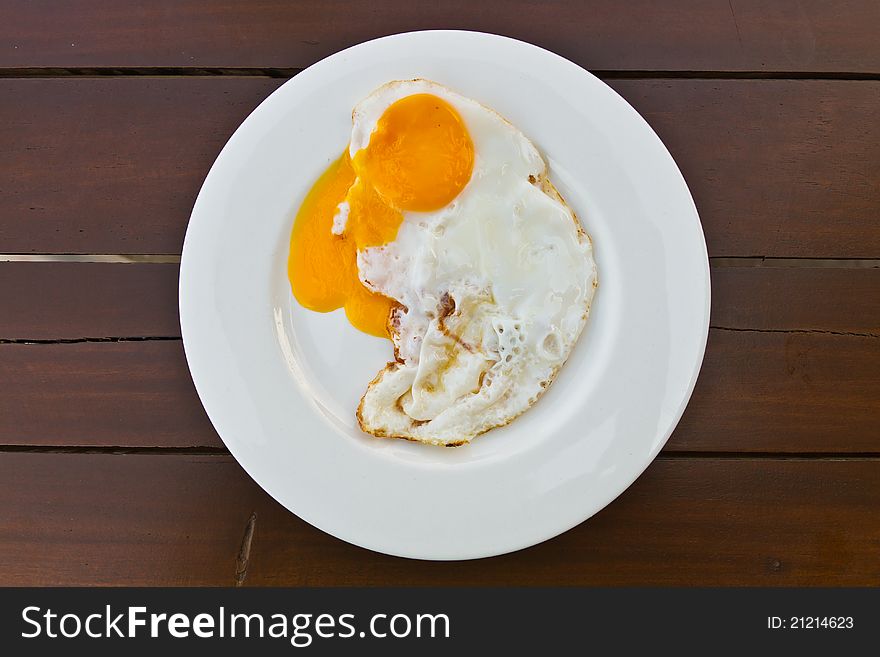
(784, 392)
(179, 520)
(757, 392)
(114, 165)
(128, 394)
(687, 35)
(111, 165)
(100, 300)
(60, 300)
(776, 167)
(792, 376)
(842, 300)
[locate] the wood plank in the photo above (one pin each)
(844, 300)
(61, 300)
(815, 390)
(111, 165)
(179, 520)
(128, 394)
(787, 35)
(784, 392)
(757, 392)
(776, 168)
(797, 175)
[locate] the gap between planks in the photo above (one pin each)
(715, 262)
(174, 338)
(113, 450)
(91, 257)
(274, 72)
(135, 338)
(851, 334)
(116, 450)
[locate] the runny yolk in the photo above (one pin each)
(419, 158)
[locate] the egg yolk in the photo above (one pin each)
(419, 158)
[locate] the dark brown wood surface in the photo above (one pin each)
(785, 392)
(803, 295)
(103, 300)
(113, 165)
(111, 113)
(85, 300)
(181, 519)
(686, 35)
(799, 376)
(130, 394)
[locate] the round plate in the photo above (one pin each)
(281, 384)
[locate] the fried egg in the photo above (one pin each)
(439, 228)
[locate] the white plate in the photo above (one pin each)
(281, 383)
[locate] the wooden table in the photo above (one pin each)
(111, 113)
